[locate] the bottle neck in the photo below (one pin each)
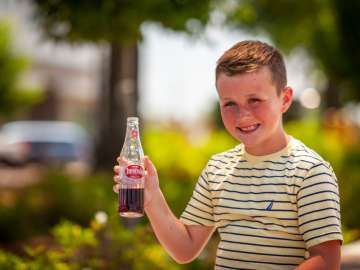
(132, 149)
(132, 131)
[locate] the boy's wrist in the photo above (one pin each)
(154, 199)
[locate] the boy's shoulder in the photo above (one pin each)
(301, 152)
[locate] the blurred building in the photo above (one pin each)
(69, 75)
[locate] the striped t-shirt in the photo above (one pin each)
(268, 210)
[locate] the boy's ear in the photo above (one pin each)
(287, 95)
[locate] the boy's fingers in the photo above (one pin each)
(122, 161)
(116, 188)
(116, 179)
(149, 166)
(116, 169)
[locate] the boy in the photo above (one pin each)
(273, 201)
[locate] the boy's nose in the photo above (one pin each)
(242, 114)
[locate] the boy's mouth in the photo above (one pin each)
(248, 129)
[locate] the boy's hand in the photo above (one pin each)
(151, 178)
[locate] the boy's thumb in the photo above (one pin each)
(149, 166)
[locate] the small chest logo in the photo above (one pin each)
(269, 207)
(134, 171)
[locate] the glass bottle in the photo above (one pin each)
(131, 192)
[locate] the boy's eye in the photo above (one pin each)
(229, 104)
(254, 100)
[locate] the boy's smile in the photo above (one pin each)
(252, 110)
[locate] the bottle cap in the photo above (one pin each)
(133, 119)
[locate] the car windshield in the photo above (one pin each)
(44, 131)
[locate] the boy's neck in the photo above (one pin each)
(272, 145)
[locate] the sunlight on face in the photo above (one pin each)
(252, 109)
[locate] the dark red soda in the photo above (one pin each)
(131, 202)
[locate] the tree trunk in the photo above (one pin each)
(332, 95)
(118, 100)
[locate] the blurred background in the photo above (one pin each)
(72, 71)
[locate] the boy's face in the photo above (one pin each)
(251, 109)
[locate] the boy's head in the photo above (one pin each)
(250, 56)
(251, 83)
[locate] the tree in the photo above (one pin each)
(117, 23)
(13, 97)
(328, 29)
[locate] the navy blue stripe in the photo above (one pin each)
(202, 202)
(308, 156)
(256, 209)
(318, 210)
(256, 221)
(202, 186)
(288, 161)
(228, 267)
(216, 174)
(269, 169)
(320, 164)
(317, 219)
(200, 209)
(267, 237)
(318, 192)
(319, 201)
(226, 156)
(254, 176)
(322, 173)
(193, 215)
(211, 165)
(259, 169)
(263, 254)
(225, 162)
(254, 228)
(325, 234)
(249, 261)
(318, 183)
(294, 219)
(240, 192)
(182, 216)
(219, 160)
(322, 227)
(197, 192)
(254, 185)
(260, 245)
(257, 201)
(205, 180)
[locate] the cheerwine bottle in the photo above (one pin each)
(131, 193)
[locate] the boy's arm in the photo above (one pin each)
(324, 256)
(182, 242)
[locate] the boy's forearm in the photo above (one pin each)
(170, 231)
(316, 263)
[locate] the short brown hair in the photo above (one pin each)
(249, 56)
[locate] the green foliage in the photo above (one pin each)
(336, 145)
(115, 21)
(13, 96)
(327, 29)
(33, 210)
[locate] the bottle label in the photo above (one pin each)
(134, 171)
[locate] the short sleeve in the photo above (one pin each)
(199, 210)
(319, 206)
